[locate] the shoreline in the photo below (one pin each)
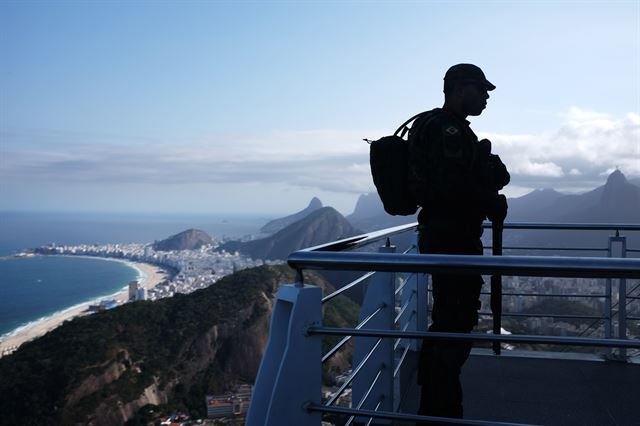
(148, 277)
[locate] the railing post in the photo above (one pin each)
(380, 291)
(290, 374)
(622, 297)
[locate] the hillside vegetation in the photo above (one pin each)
(101, 369)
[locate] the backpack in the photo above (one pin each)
(389, 157)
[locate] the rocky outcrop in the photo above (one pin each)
(191, 239)
(322, 226)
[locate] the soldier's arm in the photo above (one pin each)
(454, 178)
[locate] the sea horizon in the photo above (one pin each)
(32, 302)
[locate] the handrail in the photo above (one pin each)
(502, 338)
(527, 315)
(556, 266)
(594, 296)
(305, 328)
(358, 241)
(388, 415)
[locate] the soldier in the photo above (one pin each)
(455, 179)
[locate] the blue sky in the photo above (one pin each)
(258, 106)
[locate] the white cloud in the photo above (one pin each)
(586, 146)
(575, 156)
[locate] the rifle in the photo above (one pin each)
(496, 283)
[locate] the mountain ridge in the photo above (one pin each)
(191, 239)
(321, 226)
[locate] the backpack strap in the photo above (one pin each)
(404, 125)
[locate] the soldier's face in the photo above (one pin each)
(474, 99)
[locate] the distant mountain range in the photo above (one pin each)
(617, 201)
(191, 239)
(320, 226)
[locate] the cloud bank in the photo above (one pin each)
(574, 157)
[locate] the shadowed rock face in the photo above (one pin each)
(281, 223)
(321, 226)
(191, 239)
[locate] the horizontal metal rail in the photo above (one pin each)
(362, 240)
(550, 248)
(518, 314)
(502, 338)
(348, 286)
(570, 226)
(342, 342)
(633, 318)
(597, 296)
(389, 415)
(547, 266)
(359, 241)
(353, 375)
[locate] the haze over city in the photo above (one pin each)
(244, 107)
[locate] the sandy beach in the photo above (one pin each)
(150, 276)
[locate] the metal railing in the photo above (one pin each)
(394, 318)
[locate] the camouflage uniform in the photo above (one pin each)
(455, 181)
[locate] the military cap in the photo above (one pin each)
(467, 73)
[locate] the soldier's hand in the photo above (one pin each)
(499, 175)
(485, 146)
(497, 211)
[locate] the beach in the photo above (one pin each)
(149, 277)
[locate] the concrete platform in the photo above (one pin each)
(551, 391)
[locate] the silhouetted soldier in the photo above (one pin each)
(455, 179)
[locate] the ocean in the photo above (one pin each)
(32, 289)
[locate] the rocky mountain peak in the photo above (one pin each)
(315, 204)
(616, 178)
(277, 224)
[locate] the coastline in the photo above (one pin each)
(148, 277)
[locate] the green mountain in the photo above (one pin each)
(103, 368)
(191, 239)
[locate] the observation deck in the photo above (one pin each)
(563, 366)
